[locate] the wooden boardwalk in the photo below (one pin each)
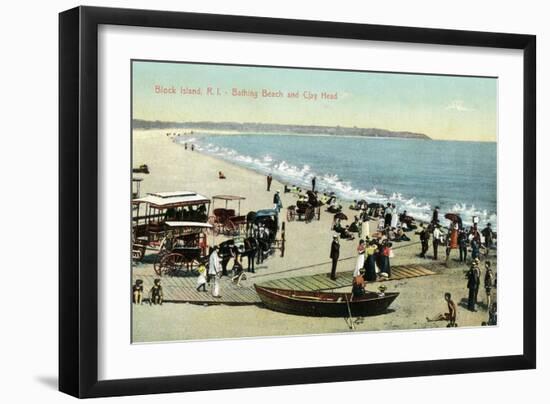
(182, 289)
(343, 279)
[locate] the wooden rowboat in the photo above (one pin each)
(324, 304)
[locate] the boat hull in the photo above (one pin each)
(324, 304)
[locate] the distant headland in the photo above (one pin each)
(255, 127)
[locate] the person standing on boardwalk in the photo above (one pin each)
(201, 279)
(473, 285)
(360, 262)
(269, 179)
(214, 269)
(313, 182)
(334, 255)
(370, 262)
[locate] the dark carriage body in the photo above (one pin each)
(324, 304)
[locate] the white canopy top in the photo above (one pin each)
(188, 224)
(168, 199)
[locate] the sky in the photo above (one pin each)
(442, 107)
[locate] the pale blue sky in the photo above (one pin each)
(443, 107)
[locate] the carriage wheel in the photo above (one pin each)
(192, 265)
(171, 264)
(290, 215)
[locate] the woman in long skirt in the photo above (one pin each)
(370, 265)
(360, 263)
(386, 254)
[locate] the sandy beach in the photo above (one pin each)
(172, 168)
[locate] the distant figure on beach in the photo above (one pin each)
(313, 181)
(137, 292)
(277, 204)
(488, 282)
(221, 175)
(269, 179)
(473, 276)
(450, 316)
(192, 147)
(155, 294)
(334, 255)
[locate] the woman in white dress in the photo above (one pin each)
(360, 262)
(394, 217)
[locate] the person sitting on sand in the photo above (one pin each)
(354, 227)
(354, 205)
(450, 316)
(333, 205)
(221, 176)
(358, 286)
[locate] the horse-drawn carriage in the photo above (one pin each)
(174, 224)
(265, 228)
(224, 220)
(183, 247)
(306, 209)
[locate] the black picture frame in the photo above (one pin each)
(78, 200)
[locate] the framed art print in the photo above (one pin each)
(240, 195)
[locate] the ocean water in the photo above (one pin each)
(416, 175)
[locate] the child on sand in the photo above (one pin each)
(155, 294)
(450, 316)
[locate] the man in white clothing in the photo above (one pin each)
(214, 269)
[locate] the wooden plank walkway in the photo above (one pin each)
(343, 279)
(182, 289)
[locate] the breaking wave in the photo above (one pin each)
(301, 175)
